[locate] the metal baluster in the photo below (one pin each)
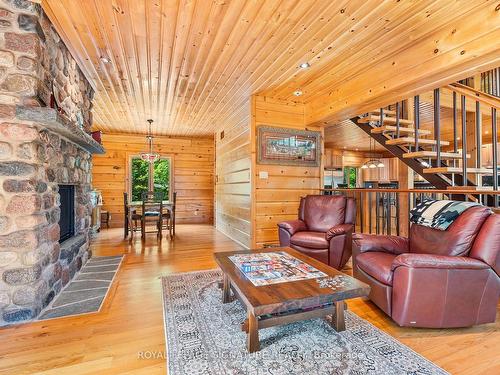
(479, 137)
(416, 118)
(361, 212)
(377, 212)
(464, 142)
(455, 140)
(397, 213)
(411, 197)
(381, 116)
(495, 152)
(437, 127)
(397, 120)
(370, 212)
(388, 219)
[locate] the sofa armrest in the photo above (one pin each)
(388, 244)
(293, 226)
(338, 230)
(437, 262)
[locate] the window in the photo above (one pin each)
(350, 176)
(149, 177)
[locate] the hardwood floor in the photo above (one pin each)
(127, 336)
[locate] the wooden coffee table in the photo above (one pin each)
(288, 302)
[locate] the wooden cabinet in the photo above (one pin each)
(333, 159)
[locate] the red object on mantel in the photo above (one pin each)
(97, 136)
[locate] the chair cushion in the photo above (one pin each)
(315, 240)
(457, 240)
(377, 265)
(321, 212)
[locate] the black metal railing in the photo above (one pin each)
(387, 211)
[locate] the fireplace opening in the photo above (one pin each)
(67, 220)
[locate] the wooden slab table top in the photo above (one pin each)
(287, 302)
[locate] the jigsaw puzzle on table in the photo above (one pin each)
(272, 268)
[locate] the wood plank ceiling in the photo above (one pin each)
(189, 64)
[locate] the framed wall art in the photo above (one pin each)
(288, 146)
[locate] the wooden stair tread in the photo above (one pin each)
(411, 141)
(386, 112)
(446, 170)
(387, 120)
(433, 155)
(392, 129)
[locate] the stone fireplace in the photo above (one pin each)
(45, 157)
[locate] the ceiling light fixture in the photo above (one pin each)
(149, 155)
(297, 93)
(105, 60)
(372, 162)
(304, 65)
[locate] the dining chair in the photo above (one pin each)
(152, 209)
(169, 216)
(135, 218)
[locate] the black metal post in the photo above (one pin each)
(361, 212)
(464, 142)
(479, 136)
(397, 120)
(437, 127)
(455, 140)
(370, 212)
(495, 152)
(416, 118)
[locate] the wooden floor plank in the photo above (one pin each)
(127, 336)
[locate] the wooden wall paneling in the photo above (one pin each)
(192, 175)
(233, 178)
(277, 197)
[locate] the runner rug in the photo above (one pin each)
(204, 336)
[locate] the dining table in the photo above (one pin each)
(137, 205)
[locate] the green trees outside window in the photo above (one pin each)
(350, 174)
(145, 177)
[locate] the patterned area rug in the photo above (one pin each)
(87, 291)
(204, 337)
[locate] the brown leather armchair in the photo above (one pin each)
(434, 278)
(323, 230)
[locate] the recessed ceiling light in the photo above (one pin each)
(305, 65)
(486, 132)
(297, 93)
(105, 60)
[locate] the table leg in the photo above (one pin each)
(253, 344)
(338, 318)
(226, 290)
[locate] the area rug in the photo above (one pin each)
(87, 291)
(203, 336)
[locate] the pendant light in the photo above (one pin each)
(150, 156)
(372, 162)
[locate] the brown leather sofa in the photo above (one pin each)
(323, 230)
(434, 278)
